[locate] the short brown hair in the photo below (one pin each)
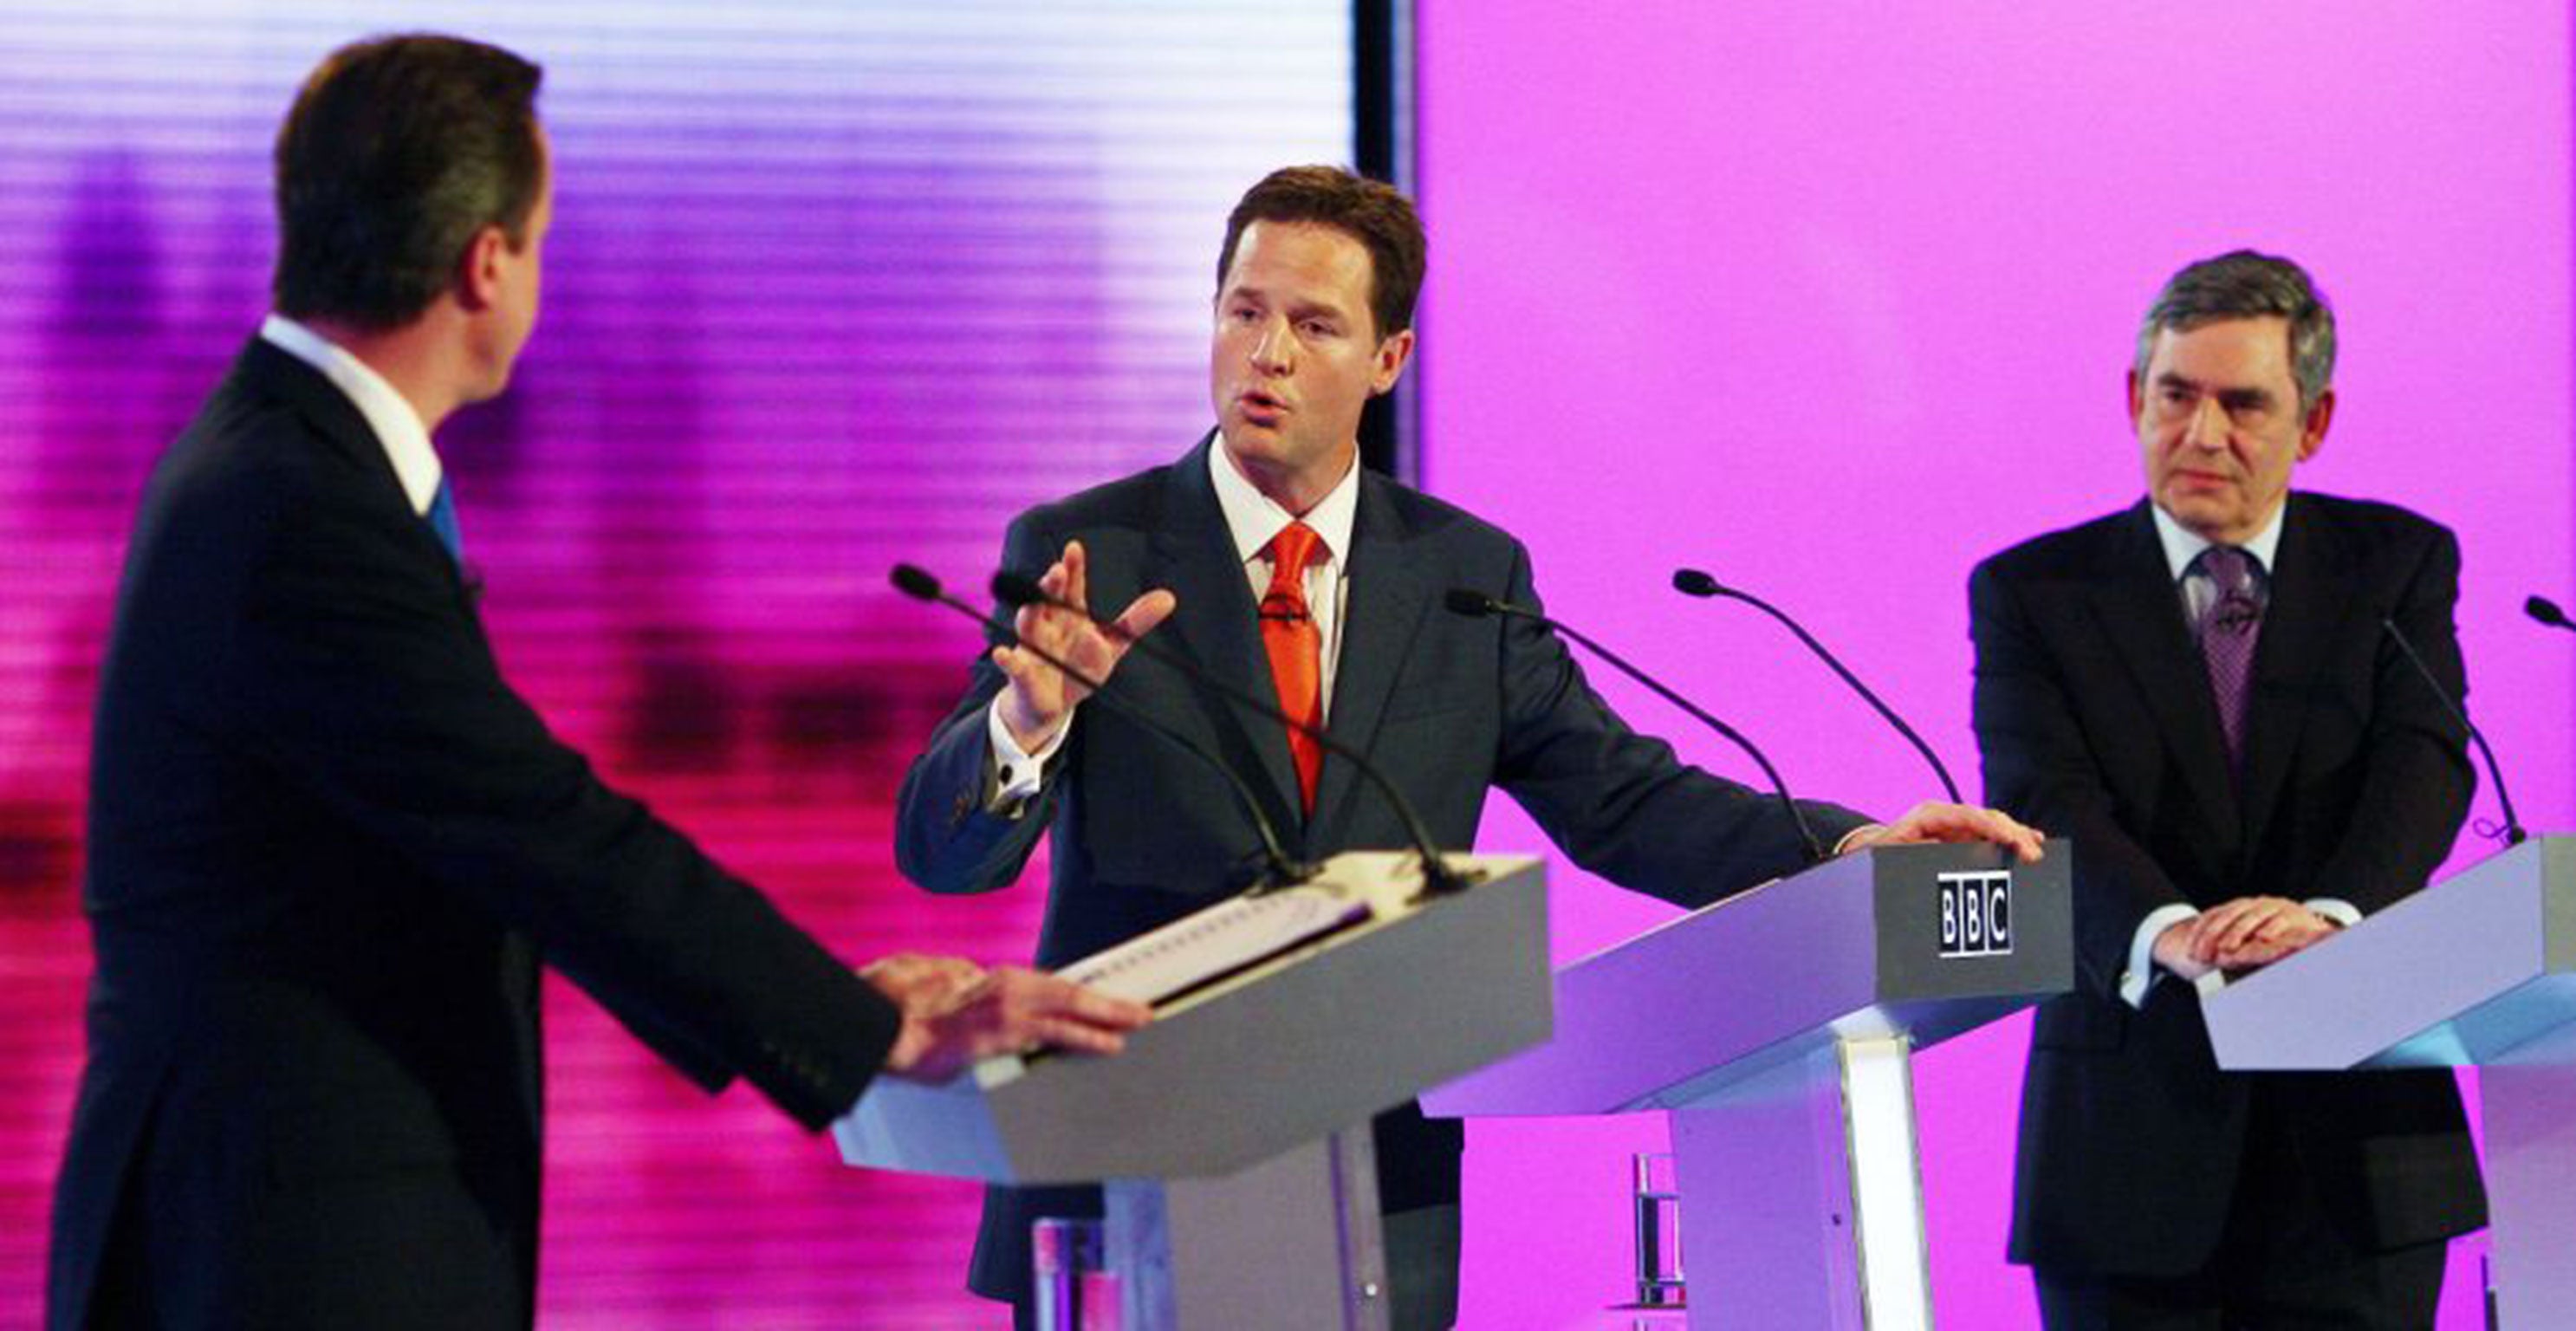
(2244, 284)
(397, 152)
(1370, 212)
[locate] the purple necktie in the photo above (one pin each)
(2228, 630)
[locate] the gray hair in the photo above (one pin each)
(2246, 285)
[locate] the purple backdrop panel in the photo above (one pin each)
(831, 286)
(1835, 300)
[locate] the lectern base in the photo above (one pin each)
(1290, 1244)
(1802, 1203)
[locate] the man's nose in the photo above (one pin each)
(1274, 351)
(2207, 428)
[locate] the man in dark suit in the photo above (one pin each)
(1291, 570)
(329, 845)
(2199, 693)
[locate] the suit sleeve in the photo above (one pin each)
(2416, 780)
(360, 676)
(947, 838)
(2039, 769)
(1621, 804)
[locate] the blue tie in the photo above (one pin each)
(442, 519)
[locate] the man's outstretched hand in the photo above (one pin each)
(1040, 695)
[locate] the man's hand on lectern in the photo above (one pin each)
(950, 1020)
(1936, 820)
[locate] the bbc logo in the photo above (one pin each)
(1976, 913)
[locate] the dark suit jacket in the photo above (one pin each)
(328, 848)
(2097, 722)
(1144, 833)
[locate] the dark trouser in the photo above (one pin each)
(1421, 1271)
(2284, 1264)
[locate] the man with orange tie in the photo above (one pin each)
(1284, 566)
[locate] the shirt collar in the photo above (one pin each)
(397, 427)
(2183, 545)
(1253, 517)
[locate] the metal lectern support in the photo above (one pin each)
(1802, 1197)
(1290, 1244)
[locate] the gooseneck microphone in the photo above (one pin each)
(2547, 612)
(1439, 878)
(2511, 833)
(1692, 582)
(1475, 605)
(1279, 869)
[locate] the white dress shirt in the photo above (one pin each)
(398, 428)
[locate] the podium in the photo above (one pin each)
(1777, 1029)
(1233, 1133)
(2476, 970)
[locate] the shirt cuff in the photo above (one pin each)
(2141, 975)
(2337, 909)
(1017, 773)
(1843, 845)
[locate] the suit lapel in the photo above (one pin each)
(334, 418)
(338, 423)
(1219, 626)
(2141, 612)
(2309, 601)
(1381, 613)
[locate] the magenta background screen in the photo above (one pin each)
(1833, 300)
(830, 286)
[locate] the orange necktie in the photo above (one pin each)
(1296, 649)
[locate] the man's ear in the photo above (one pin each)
(1392, 354)
(2312, 431)
(478, 269)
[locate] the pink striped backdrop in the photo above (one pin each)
(830, 287)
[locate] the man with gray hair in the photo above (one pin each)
(2199, 693)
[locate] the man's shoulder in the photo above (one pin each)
(1425, 510)
(2369, 522)
(1145, 500)
(2066, 552)
(248, 434)
(1136, 499)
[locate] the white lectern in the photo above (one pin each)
(1233, 1133)
(2478, 969)
(1777, 1028)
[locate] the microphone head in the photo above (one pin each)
(1692, 582)
(915, 583)
(1469, 602)
(1016, 589)
(2547, 612)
